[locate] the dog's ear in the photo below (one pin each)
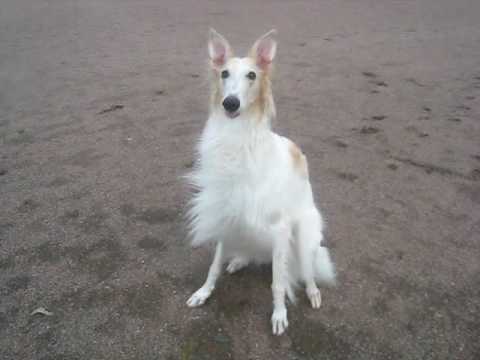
(264, 49)
(218, 49)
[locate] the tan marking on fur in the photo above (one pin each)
(299, 159)
(264, 104)
(216, 83)
(215, 88)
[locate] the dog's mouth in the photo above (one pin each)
(232, 115)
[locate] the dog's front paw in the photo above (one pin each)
(279, 321)
(199, 297)
(315, 297)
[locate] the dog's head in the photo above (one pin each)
(241, 85)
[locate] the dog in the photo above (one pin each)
(254, 201)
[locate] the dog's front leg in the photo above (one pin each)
(201, 295)
(280, 279)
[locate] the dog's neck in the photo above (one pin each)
(248, 121)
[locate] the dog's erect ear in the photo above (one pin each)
(218, 49)
(264, 49)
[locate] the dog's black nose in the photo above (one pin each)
(231, 103)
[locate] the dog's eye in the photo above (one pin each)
(225, 74)
(251, 75)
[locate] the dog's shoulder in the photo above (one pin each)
(297, 158)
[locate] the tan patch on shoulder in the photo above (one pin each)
(299, 159)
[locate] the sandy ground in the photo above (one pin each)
(100, 105)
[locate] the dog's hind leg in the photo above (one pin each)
(309, 238)
(201, 295)
(280, 282)
(237, 263)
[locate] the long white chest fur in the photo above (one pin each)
(245, 181)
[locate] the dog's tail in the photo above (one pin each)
(323, 266)
(312, 253)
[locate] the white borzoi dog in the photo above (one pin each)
(254, 198)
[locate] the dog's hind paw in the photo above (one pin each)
(315, 297)
(199, 297)
(236, 264)
(279, 321)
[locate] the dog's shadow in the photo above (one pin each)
(244, 292)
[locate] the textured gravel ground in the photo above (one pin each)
(100, 105)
